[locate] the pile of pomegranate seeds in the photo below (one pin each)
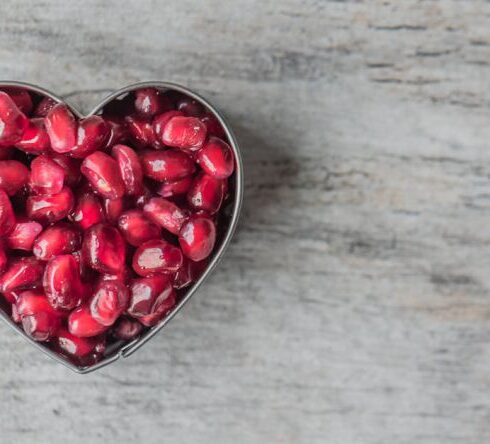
(105, 220)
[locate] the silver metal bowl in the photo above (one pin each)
(131, 347)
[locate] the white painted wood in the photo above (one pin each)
(353, 306)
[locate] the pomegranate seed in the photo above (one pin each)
(47, 176)
(118, 132)
(175, 188)
(62, 128)
(109, 301)
(150, 102)
(113, 209)
(144, 197)
(213, 126)
(13, 176)
(167, 165)
(45, 106)
(184, 132)
(136, 228)
(23, 235)
(122, 277)
(190, 107)
(197, 238)
(21, 98)
(35, 139)
(82, 324)
(62, 282)
(62, 238)
(130, 169)
(206, 193)
(160, 311)
(50, 208)
(13, 122)
(7, 217)
(146, 294)
(104, 249)
(127, 329)
(22, 273)
(156, 256)
(92, 135)
(188, 273)
(3, 259)
(141, 132)
(39, 320)
(75, 346)
(166, 214)
(216, 158)
(102, 172)
(161, 120)
(88, 211)
(71, 167)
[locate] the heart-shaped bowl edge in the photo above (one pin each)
(131, 347)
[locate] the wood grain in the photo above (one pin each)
(353, 306)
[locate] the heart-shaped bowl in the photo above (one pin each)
(118, 350)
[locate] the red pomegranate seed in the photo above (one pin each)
(109, 301)
(62, 283)
(47, 177)
(45, 106)
(92, 135)
(184, 132)
(82, 324)
(141, 132)
(13, 176)
(161, 120)
(160, 311)
(156, 256)
(136, 228)
(102, 172)
(71, 167)
(144, 197)
(188, 273)
(122, 277)
(166, 214)
(206, 193)
(150, 102)
(165, 166)
(88, 211)
(127, 329)
(23, 235)
(62, 238)
(146, 294)
(21, 98)
(62, 128)
(22, 273)
(35, 139)
(216, 158)
(118, 133)
(130, 169)
(213, 126)
(7, 217)
(39, 319)
(190, 107)
(13, 122)
(75, 346)
(175, 188)
(197, 238)
(104, 249)
(50, 208)
(3, 259)
(113, 209)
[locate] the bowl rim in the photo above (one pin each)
(128, 349)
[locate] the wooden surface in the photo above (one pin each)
(353, 306)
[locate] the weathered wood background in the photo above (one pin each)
(353, 306)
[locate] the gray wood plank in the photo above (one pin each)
(353, 304)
